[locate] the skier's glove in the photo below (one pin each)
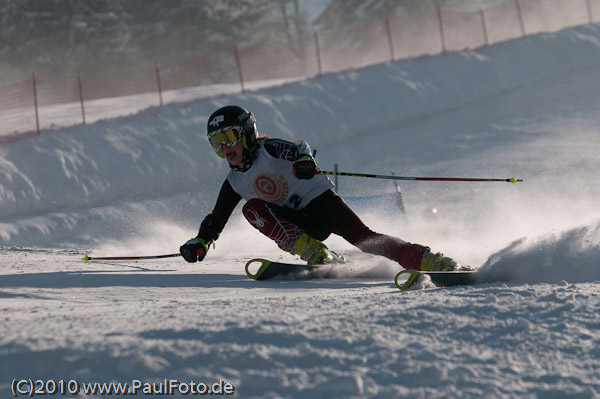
(305, 168)
(194, 250)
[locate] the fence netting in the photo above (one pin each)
(33, 106)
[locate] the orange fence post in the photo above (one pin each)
(80, 84)
(239, 66)
(520, 15)
(35, 104)
(160, 98)
(441, 26)
(389, 35)
(318, 50)
(484, 28)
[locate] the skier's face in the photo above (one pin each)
(233, 154)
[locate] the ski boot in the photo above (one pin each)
(313, 251)
(440, 263)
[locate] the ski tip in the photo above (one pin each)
(406, 278)
(264, 264)
(86, 258)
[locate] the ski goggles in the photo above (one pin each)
(229, 136)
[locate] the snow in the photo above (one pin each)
(140, 185)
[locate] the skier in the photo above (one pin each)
(288, 201)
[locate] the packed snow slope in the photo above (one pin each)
(140, 185)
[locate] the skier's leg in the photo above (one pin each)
(270, 221)
(273, 221)
(331, 209)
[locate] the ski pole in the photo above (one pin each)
(513, 180)
(87, 258)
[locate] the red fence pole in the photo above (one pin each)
(35, 104)
(441, 25)
(520, 15)
(484, 28)
(318, 50)
(239, 66)
(81, 96)
(157, 68)
(389, 35)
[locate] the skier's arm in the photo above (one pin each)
(286, 150)
(213, 224)
(196, 248)
(305, 166)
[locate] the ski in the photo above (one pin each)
(407, 278)
(264, 269)
(268, 269)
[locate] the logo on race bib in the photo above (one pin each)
(272, 188)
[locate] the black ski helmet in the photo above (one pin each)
(228, 121)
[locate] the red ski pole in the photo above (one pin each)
(87, 258)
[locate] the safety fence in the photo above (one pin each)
(28, 108)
